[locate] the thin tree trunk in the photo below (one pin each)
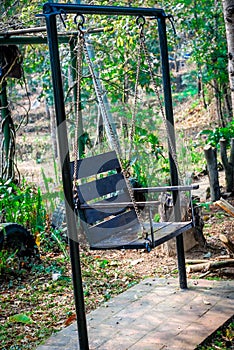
(228, 164)
(218, 104)
(211, 159)
(228, 10)
(227, 101)
(51, 117)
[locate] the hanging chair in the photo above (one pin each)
(104, 199)
(107, 212)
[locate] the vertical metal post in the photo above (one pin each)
(67, 181)
(171, 144)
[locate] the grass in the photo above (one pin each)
(221, 339)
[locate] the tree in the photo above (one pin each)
(200, 31)
(228, 11)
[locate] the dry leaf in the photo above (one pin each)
(70, 320)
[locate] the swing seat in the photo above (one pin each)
(107, 213)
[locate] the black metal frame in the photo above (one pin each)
(50, 11)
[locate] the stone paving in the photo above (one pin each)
(153, 315)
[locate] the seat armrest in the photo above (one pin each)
(166, 188)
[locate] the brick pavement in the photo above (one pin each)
(153, 315)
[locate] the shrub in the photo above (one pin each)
(22, 204)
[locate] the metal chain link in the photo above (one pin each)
(112, 135)
(79, 48)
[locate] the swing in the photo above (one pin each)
(107, 211)
(104, 199)
(106, 205)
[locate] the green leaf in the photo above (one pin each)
(103, 263)
(21, 318)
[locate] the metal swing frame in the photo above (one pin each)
(50, 12)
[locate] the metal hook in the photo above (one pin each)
(171, 19)
(61, 13)
(140, 21)
(79, 24)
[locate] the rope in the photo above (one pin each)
(106, 120)
(133, 123)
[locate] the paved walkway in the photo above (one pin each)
(153, 315)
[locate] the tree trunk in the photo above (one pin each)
(228, 164)
(8, 129)
(211, 159)
(228, 244)
(218, 104)
(228, 10)
(227, 102)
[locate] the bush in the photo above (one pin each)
(22, 204)
(213, 136)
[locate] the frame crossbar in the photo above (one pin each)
(103, 10)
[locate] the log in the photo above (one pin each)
(210, 265)
(225, 206)
(226, 241)
(195, 261)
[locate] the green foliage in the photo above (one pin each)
(222, 339)
(213, 136)
(20, 318)
(189, 154)
(22, 204)
(200, 31)
(144, 161)
(189, 83)
(157, 217)
(7, 261)
(52, 194)
(56, 236)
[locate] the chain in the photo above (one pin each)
(79, 47)
(143, 45)
(112, 135)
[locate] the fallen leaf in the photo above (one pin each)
(70, 319)
(137, 261)
(21, 318)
